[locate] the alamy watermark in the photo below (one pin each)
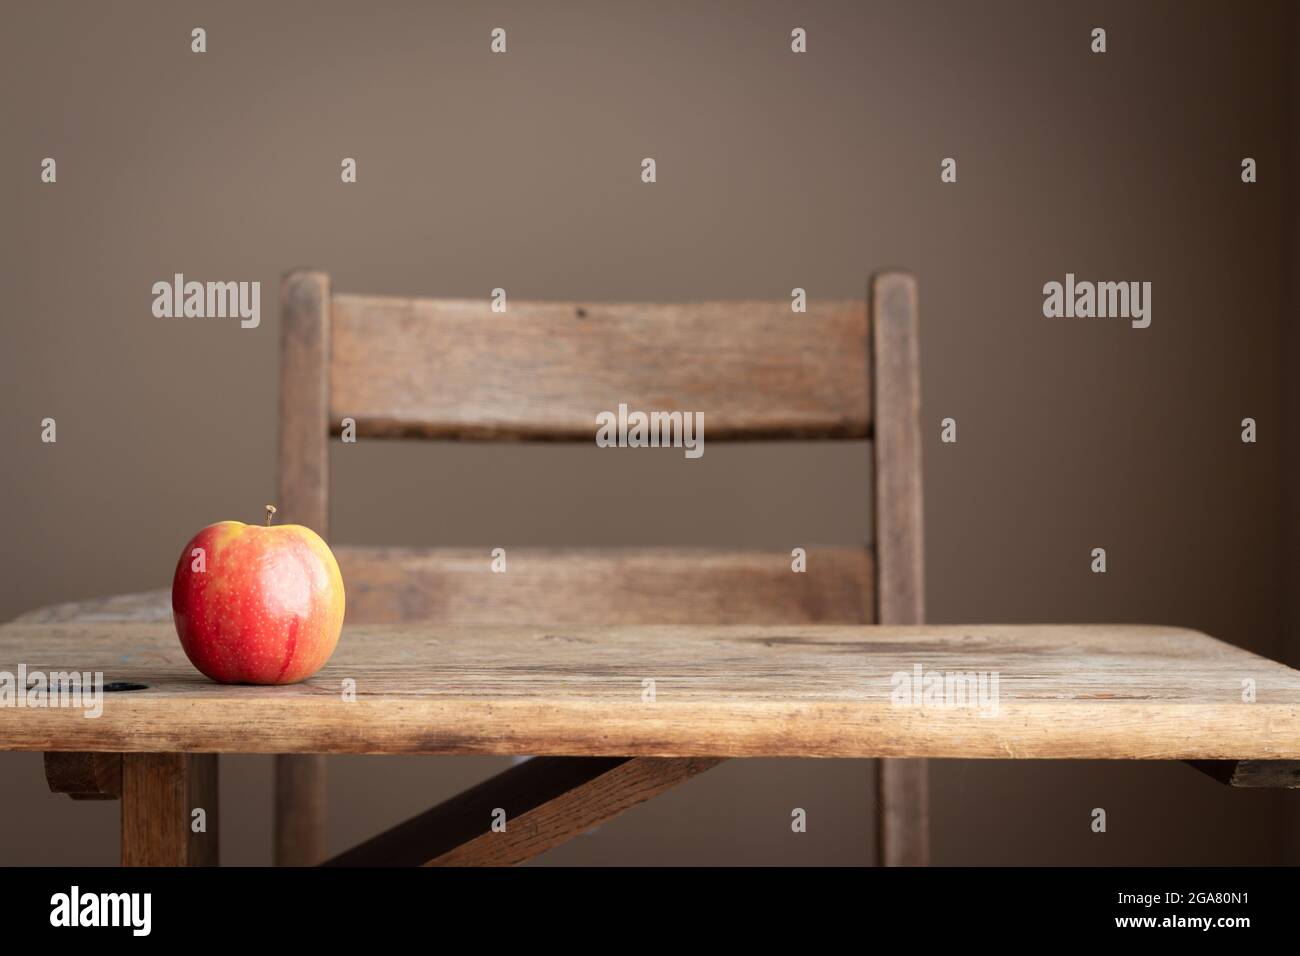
(1102, 300)
(130, 910)
(75, 689)
(654, 430)
(179, 299)
(976, 690)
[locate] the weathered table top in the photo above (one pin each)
(836, 691)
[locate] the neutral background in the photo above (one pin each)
(775, 170)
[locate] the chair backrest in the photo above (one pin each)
(455, 369)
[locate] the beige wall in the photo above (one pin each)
(775, 171)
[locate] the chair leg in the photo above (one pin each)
(902, 836)
(299, 809)
(902, 813)
(169, 809)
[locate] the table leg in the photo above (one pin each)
(169, 809)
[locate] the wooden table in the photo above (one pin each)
(624, 713)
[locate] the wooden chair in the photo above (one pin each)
(454, 369)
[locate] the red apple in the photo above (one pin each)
(257, 605)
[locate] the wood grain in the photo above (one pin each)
(303, 480)
(160, 792)
(605, 586)
(546, 801)
(1270, 774)
(85, 776)
(453, 368)
(305, 345)
(1073, 692)
(902, 837)
(141, 606)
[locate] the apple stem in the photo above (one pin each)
(270, 513)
